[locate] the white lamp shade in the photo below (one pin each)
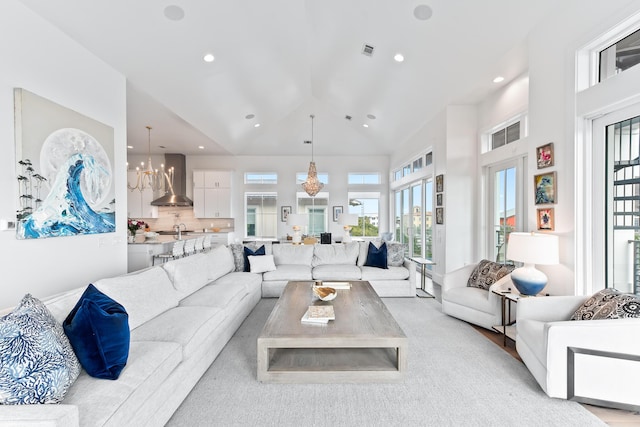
(297, 219)
(533, 248)
(347, 219)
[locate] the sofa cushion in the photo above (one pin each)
(144, 294)
(189, 274)
(335, 254)
(289, 272)
(150, 363)
(37, 363)
(261, 264)
(469, 297)
(336, 272)
(487, 273)
(377, 256)
(219, 262)
(188, 326)
(608, 304)
(98, 329)
(391, 273)
(293, 254)
(219, 295)
(395, 253)
(250, 281)
(250, 252)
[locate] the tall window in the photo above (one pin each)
(506, 209)
(428, 220)
(366, 206)
(317, 209)
(622, 141)
(261, 214)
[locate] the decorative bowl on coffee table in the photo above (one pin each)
(325, 293)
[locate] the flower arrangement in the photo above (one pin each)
(134, 225)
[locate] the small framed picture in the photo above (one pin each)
(544, 155)
(545, 188)
(439, 183)
(439, 215)
(337, 210)
(284, 213)
(545, 219)
(439, 199)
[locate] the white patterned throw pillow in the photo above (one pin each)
(37, 363)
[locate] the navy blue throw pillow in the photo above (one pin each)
(377, 257)
(98, 329)
(248, 252)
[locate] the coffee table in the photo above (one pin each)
(363, 344)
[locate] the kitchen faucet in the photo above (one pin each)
(178, 229)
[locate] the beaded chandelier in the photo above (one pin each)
(312, 185)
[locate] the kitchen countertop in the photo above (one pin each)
(168, 238)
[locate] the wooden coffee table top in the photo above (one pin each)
(361, 317)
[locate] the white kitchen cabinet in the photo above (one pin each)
(211, 194)
(139, 202)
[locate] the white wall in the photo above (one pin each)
(40, 58)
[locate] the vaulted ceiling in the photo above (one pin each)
(282, 60)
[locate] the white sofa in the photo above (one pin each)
(338, 262)
(604, 371)
(181, 315)
(473, 305)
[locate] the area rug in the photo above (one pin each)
(456, 377)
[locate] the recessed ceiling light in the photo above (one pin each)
(422, 12)
(498, 79)
(174, 13)
(257, 125)
(208, 57)
(201, 147)
(371, 116)
(364, 125)
(249, 116)
(398, 57)
(129, 147)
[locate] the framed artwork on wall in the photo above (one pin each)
(439, 199)
(439, 215)
(545, 188)
(337, 210)
(544, 155)
(284, 213)
(439, 183)
(545, 219)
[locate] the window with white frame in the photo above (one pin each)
(356, 178)
(317, 211)
(505, 133)
(261, 178)
(619, 56)
(261, 214)
(367, 206)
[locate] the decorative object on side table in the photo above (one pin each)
(134, 225)
(296, 221)
(531, 248)
(347, 220)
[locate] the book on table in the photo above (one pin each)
(336, 285)
(318, 314)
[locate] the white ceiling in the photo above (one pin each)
(283, 60)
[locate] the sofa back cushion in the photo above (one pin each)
(292, 254)
(395, 253)
(144, 294)
(608, 304)
(336, 254)
(219, 262)
(487, 273)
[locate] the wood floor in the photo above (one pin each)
(612, 417)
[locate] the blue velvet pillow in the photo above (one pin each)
(248, 252)
(377, 257)
(98, 329)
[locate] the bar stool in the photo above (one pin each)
(206, 244)
(189, 247)
(176, 252)
(200, 244)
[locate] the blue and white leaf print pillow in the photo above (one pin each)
(37, 363)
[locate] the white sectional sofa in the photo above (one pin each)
(338, 262)
(181, 315)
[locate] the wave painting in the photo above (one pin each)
(80, 174)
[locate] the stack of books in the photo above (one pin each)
(318, 314)
(335, 285)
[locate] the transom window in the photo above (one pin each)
(356, 178)
(620, 56)
(260, 178)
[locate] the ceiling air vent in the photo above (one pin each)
(367, 50)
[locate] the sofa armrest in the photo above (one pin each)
(457, 278)
(548, 309)
(39, 415)
(610, 335)
(411, 266)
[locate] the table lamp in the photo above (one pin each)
(297, 221)
(347, 220)
(530, 249)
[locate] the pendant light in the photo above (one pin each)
(312, 185)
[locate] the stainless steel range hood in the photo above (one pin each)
(176, 191)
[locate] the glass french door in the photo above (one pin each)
(414, 218)
(506, 205)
